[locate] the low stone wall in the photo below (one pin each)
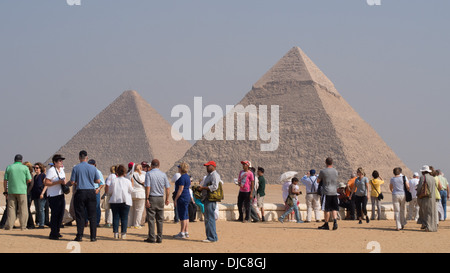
(229, 212)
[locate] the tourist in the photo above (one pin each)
(246, 185)
(38, 194)
(350, 189)
(329, 179)
(174, 179)
(397, 187)
(210, 184)
(361, 195)
(16, 178)
(138, 197)
(98, 188)
(54, 178)
(120, 190)
(312, 197)
(30, 221)
(438, 188)
(182, 200)
(413, 207)
(261, 192)
(428, 217)
(107, 196)
(344, 199)
(84, 177)
(444, 192)
(156, 186)
(292, 201)
(375, 184)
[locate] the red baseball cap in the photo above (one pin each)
(210, 163)
(245, 162)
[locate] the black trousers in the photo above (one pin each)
(85, 201)
(244, 201)
(57, 205)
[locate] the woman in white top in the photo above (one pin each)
(55, 177)
(120, 201)
(397, 187)
(138, 197)
(108, 212)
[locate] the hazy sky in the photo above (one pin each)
(61, 65)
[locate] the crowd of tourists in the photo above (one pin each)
(137, 194)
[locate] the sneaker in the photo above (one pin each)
(207, 241)
(281, 220)
(116, 235)
(180, 235)
(186, 235)
(124, 236)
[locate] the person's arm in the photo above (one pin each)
(179, 192)
(147, 192)
(5, 187)
(367, 188)
(43, 192)
(167, 196)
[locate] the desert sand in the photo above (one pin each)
(237, 237)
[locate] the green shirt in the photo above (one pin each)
(17, 176)
(262, 186)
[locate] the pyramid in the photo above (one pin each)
(315, 122)
(129, 129)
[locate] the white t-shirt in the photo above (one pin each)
(175, 177)
(138, 189)
(52, 175)
(120, 190)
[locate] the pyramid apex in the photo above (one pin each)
(295, 65)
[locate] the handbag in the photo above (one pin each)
(380, 194)
(217, 195)
(65, 189)
(408, 194)
(424, 191)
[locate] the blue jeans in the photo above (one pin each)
(444, 202)
(210, 221)
(120, 214)
(39, 205)
(297, 213)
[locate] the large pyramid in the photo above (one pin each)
(129, 129)
(315, 122)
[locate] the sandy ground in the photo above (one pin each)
(237, 237)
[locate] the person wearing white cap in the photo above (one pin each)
(427, 201)
(413, 207)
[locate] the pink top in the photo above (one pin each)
(245, 180)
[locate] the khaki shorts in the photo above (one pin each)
(260, 201)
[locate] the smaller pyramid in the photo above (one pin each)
(129, 129)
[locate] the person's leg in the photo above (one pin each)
(124, 211)
(116, 217)
(92, 213)
(151, 217)
(240, 203)
(247, 206)
(12, 208)
(210, 221)
(309, 203)
(78, 204)
(159, 218)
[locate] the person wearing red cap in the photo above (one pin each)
(210, 183)
(246, 182)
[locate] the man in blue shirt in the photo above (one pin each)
(156, 185)
(84, 176)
